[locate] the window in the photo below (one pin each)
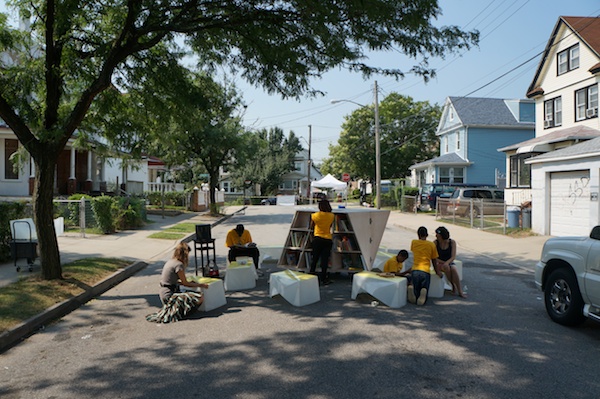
(457, 141)
(568, 59)
(552, 113)
(289, 185)
(10, 147)
(586, 103)
(227, 187)
(298, 165)
(452, 175)
(446, 144)
(520, 172)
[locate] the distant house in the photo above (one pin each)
(293, 183)
(563, 182)
(470, 131)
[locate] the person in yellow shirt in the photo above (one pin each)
(395, 264)
(239, 241)
(424, 253)
(323, 240)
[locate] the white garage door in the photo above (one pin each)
(570, 203)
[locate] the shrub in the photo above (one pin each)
(106, 212)
(130, 213)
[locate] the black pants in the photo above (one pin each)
(321, 250)
(253, 252)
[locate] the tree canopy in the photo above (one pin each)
(407, 136)
(268, 157)
(74, 53)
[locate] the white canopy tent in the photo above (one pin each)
(329, 182)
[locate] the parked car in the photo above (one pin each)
(568, 275)
(429, 193)
(269, 201)
(485, 201)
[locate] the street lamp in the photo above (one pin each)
(377, 148)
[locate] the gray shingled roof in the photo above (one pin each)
(587, 147)
(485, 112)
(572, 133)
(448, 159)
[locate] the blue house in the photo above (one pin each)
(471, 130)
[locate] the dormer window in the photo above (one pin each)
(568, 59)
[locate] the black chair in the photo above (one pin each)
(204, 243)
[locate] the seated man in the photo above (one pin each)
(240, 243)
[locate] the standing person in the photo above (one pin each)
(424, 253)
(323, 240)
(240, 243)
(176, 305)
(446, 248)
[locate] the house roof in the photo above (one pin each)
(451, 158)
(587, 29)
(538, 143)
(479, 111)
(586, 149)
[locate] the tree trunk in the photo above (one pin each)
(43, 210)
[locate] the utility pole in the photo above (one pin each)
(377, 151)
(309, 164)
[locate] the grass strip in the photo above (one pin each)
(32, 295)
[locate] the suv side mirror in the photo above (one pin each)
(595, 234)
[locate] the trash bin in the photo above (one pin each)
(526, 222)
(512, 216)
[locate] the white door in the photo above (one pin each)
(570, 203)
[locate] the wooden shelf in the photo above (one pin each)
(356, 235)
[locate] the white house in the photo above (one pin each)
(564, 182)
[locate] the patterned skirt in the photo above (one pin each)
(178, 306)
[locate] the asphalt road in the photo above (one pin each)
(498, 343)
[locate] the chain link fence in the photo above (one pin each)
(78, 215)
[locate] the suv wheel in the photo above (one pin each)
(563, 299)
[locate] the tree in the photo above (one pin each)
(269, 157)
(202, 127)
(407, 136)
(75, 51)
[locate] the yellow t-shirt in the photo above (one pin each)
(423, 252)
(323, 222)
(392, 265)
(233, 238)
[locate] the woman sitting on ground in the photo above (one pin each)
(446, 248)
(176, 305)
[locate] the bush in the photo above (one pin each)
(130, 213)
(106, 213)
(9, 211)
(172, 198)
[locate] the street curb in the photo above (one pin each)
(13, 336)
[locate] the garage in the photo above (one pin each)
(570, 203)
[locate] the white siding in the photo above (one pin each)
(564, 86)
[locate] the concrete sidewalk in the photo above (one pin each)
(136, 246)
(131, 244)
(521, 252)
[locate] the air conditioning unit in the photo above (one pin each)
(590, 113)
(547, 123)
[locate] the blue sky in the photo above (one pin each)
(512, 32)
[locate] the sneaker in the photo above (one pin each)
(422, 297)
(410, 294)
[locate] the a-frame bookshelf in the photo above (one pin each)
(356, 235)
